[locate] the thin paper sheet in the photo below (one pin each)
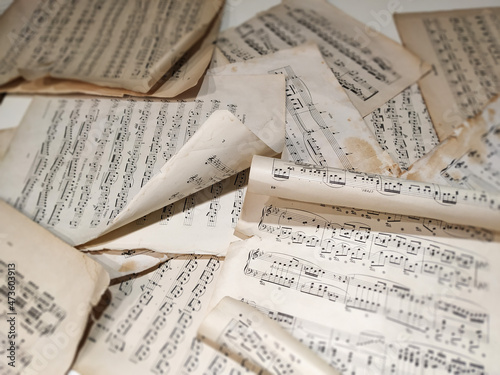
(185, 74)
(402, 126)
(342, 231)
(468, 160)
(202, 223)
(322, 125)
(362, 315)
(371, 67)
(151, 321)
(420, 290)
(128, 263)
(463, 47)
(84, 166)
(310, 183)
(242, 332)
(47, 292)
(105, 43)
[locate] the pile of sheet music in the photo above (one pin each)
(312, 197)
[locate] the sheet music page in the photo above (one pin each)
(106, 43)
(80, 167)
(119, 264)
(363, 62)
(403, 127)
(366, 305)
(326, 185)
(468, 160)
(463, 47)
(184, 74)
(41, 317)
(322, 125)
(244, 333)
(202, 223)
(151, 321)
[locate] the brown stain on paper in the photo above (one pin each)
(365, 156)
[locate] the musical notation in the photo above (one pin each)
(464, 324)
(97, 47)
(371, 351)
(202, 357)
(203, 222)
(374, 192)
(215, 162)
(471, 91)
(259, 344)
(322, 126)
(353, 58)
(308, 118)
(152, 320)
(477, 169)
(360, 237)
(463, 48)
(96, 155)
(403, 127)
(443, 325)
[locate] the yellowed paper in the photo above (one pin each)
(81, 167)
(369, 66)
(335, 230)
(322, 125)
(122, 44)
(403, 127)
(361, 304)
(151, 323)
(48, 291)
(201, 223)
(119, 264)
(243, 332)
(310, 183)
(316, 261)
(469, 159)
(462, 46)
(6, 136)
(183, 75)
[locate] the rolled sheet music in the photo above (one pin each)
(310, 183)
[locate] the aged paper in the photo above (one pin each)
(6, 136)
(12, 109)
(81, 167)
(183, 75)
(463, 47)
(324, 226)
(119, 264)
(243, 332)
(4, 4)
(201, 223)
(374, 307)
(411, 284)
(151, 321)
(47, 291)
(105, 43)
(403, 127)
(322, 125)
(368, 65)
(328, 185)
(470, 159)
